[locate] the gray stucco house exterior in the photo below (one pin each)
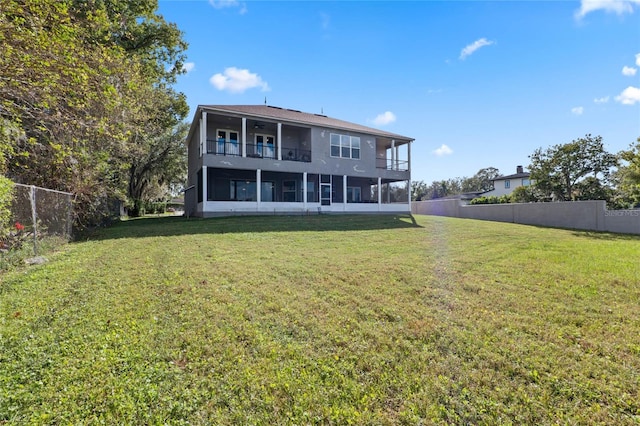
(262, 159)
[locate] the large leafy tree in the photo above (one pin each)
(84, 88)
(481, 181)
(154, 158)
(628, 175)
(160, 168)
(58, 98)
(560, 171)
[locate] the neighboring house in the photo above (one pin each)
(246, 159)
(504, 185)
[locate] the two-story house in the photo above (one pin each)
(258, 159)
(504, 185)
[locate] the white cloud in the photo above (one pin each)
(224, 4)
(236, 80)
(602, 100)
(629, 71)
(443, 150)
(577, 110)
(638, 59)
(468, 50)
(615, 6)
(386, 117)
(629, 96)
(188, 67)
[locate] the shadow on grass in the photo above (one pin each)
(606, 236)
(173, 226)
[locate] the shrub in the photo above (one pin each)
(492, 199)
(6, 197)
(15, 238)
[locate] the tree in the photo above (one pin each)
(525, 194)
(480, 182)
(84, 90)
(443, 188)
(163, 166)
(418, 190)
(558, 170)
(627, 177)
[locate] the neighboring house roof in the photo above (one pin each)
(298, 117)
(524, 175)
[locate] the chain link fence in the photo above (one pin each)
(42, 212)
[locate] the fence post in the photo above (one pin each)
(69, 217)
(34, 218)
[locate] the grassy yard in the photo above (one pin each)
(325, 320)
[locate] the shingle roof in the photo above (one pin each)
(294, 116)
(514, 176)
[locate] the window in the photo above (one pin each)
(265, 146)
(526, 182)
(267, 191)
(243, 190)
(311, 192)
(227, 143)
(289, 191)
(353, 194)
(344, 146)
(355, 148)
(507, 184)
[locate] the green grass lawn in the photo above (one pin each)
(325, 320)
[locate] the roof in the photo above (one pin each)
(299, 117)
(524, 175)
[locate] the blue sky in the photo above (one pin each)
(476, 84)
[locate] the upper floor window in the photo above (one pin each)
(227, 143)
(526, 182)
(345, 146)
(265, 146)
(507, 184)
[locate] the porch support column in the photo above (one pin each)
(393, 154)
(397, 158)
(304, 190)
(344, 192)
(204, 188)
(203, 133)
(244, 137)
(379, 193)
(279, 141)
(409, 170)
(258, 187)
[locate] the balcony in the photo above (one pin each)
(224, 147)
(390, 164)
(267, 151)
(296, 154)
